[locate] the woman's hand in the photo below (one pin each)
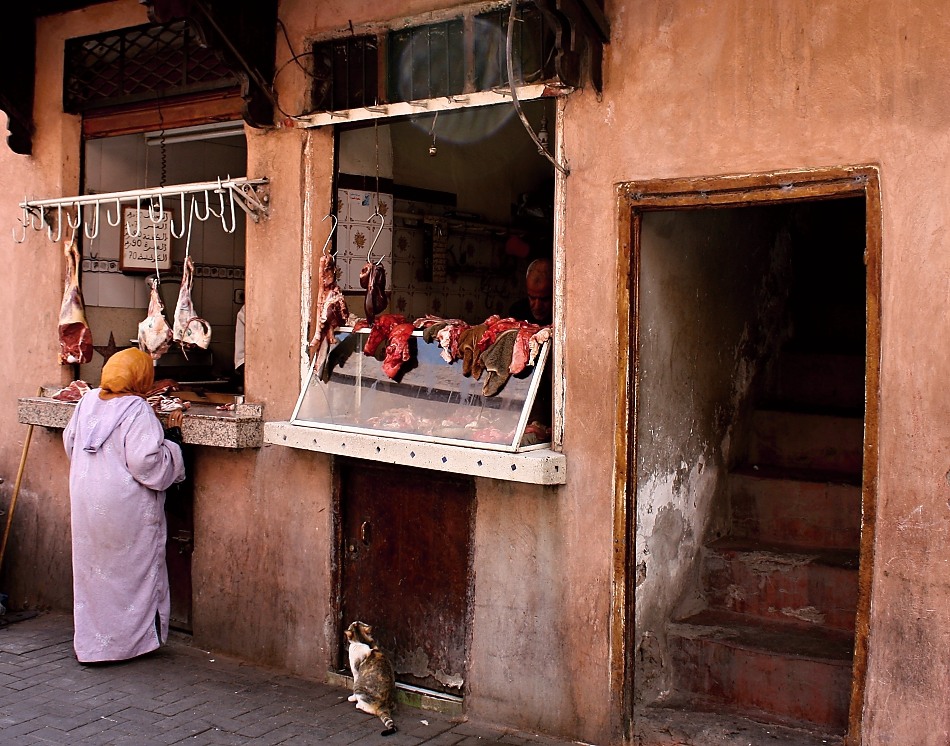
(175, 418)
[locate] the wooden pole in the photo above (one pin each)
(16, 488)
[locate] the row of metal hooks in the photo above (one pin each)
(248, 194)
(369, 254)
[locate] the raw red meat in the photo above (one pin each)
(333, 310)
(380, 331)
(373, 279)
(190, 330)
(155, 336)
(75, 339)
(397, 352)
(73, 392)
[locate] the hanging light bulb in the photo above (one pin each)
(543, 132)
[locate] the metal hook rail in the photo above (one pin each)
(251, 195)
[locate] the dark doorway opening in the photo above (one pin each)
(754, 338)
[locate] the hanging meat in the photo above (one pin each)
(75, 339)
(373, 280)
(398, 350)
(333, 311)
(378, 335)
(155, 336)
(190, 330)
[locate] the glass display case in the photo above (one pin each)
(429, 400)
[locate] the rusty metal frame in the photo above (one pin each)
(635, 198)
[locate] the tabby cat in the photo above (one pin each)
(374, 682)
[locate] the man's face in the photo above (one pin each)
(540, 299)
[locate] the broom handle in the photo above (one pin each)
(16, 488)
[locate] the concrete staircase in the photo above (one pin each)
(776, 640)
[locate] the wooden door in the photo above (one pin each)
(407, 566)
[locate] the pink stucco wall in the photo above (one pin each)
(691, 88)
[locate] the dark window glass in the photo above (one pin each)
(345, 73)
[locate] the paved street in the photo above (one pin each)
(184, 695)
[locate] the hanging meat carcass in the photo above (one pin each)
(373, 279)
(190, 330)
(75, 339)
(155, 336)
(333, 311)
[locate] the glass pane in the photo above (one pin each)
(429, 399)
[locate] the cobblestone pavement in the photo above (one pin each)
(184, 695)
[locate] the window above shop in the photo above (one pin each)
(430, 61)
(146, 62)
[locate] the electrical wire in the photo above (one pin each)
(294, 58)
(514, 95)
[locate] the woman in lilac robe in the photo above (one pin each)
(120, 467)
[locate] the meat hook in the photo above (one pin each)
(330, 234)
(37, 226)
(118, 214)
(59, 225)
(74, 226)
(151, 209)
(208, 211)
(224, 223)
(138, 220)
(382, 225)
(24, 223)
(95, 231)
(172, 227)
(191, 213)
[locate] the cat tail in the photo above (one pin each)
(388, 722)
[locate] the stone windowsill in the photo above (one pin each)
(204, 424)
(542, 466)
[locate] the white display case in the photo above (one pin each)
(429, 400)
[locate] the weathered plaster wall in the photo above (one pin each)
(703, 88)
(37, 564)
(709, 317)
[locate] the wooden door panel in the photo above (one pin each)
(407, 567)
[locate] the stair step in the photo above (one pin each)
(805, 440)
(799, 440)
(806, 509)
(695, 722)
(809, 588)
(821, 380)
(775, 668)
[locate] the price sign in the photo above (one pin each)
(143, 239)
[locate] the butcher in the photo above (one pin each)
(538, 306)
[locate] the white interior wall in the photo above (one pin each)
(116, 301)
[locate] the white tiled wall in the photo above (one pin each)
(480, 278)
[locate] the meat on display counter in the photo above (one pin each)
(431, 415)
(428, 400)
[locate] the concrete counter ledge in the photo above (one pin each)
(541, 466)
(204, 424)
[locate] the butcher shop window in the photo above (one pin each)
(421, 327)
(429, 61)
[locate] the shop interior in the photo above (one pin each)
(461, 199)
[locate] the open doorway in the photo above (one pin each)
(754, 340)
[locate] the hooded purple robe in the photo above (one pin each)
(120, 467)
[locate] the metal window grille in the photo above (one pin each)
(429, 61)
(345, 73)
(138, 64)
(532, 48)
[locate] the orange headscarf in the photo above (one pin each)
(130, 372)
